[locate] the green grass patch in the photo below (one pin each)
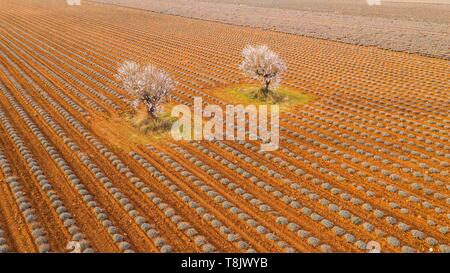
(248, 94)
(157, 128)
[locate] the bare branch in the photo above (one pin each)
(148, 85)
(262, 64)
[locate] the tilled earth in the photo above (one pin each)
(410, 27)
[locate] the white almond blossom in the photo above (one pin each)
(146, 84)
(262, 64)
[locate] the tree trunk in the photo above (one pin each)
(267, 86)
(151, 110)
(264, 91)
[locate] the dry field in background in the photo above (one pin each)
(414, 10)
(409, 27)
(367, 160)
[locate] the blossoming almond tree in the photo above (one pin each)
(262, 64)
(148, 85)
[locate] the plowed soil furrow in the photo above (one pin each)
(149, 210)
(123, 218)
(380, 223)
(222, 216)
(55, 68)
(335, 167)
(8, 244)
(268, 220)
(411, 241)
(87, 76)
(333, 129)
(358, 211)
(63, 78)
(285, 208)
(137, 52)
(198, 223)
(79, 210)
(40, 80)
(118, 214)
(54, 82)
(371, 216)
(17, 233)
